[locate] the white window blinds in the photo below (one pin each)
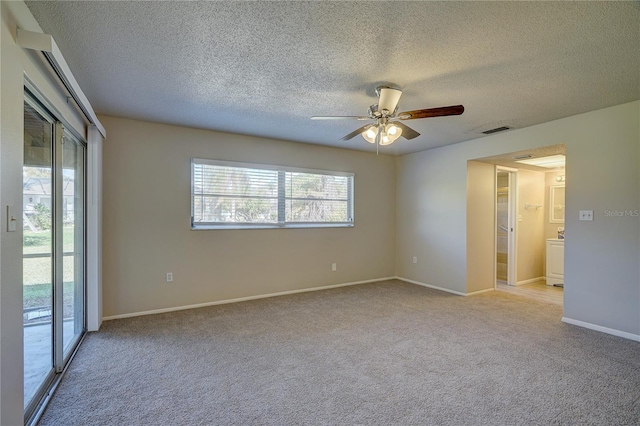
(239, 195)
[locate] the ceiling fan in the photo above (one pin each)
(384, 131)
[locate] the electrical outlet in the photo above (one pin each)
(415, 259)
(334, 267)
(169, 277)
(586, 214)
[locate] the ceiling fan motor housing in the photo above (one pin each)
(389, 99)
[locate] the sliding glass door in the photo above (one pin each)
(53, 249)
(37, 243)
(72, 224)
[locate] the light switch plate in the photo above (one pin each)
(12, 222)
(586, 214)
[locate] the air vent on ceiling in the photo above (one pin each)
(496, 130)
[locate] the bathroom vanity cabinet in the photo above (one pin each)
(555, 261)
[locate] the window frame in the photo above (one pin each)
(281, 197)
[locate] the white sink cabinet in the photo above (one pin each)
(555, 261)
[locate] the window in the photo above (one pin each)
(242, 195)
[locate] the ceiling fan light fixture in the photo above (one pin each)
(390, 134)
(370, 133)
(393, 130)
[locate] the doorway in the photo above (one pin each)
(53, 249)
(511, 216)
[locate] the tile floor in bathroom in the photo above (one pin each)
(538, 290)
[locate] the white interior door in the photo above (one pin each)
(506, 194)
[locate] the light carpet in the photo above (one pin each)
(388, 353)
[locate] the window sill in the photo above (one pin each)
(274, 226)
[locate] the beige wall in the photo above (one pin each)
(481, 204)
(602, 277)
(16, 63)
(431, 217)
(530, 243)
(146, 222)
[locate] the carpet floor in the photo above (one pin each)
(388, 353)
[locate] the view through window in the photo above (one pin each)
(237, 195)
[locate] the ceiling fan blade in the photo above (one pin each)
(355, 133)
(431, 112)
(389, 99)
(407, 132)
(340, 117)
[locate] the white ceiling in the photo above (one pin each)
(263, 68)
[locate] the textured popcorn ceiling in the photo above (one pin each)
(263, 68)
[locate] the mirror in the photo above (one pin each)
(556, 204)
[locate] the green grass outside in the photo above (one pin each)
(37, 271)
(40, 295)
(40, 241)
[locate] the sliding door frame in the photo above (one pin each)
(37, 100)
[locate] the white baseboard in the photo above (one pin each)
(240, 299)
(480, 291)
(530, 281)
(623, 334)
(435, 287)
